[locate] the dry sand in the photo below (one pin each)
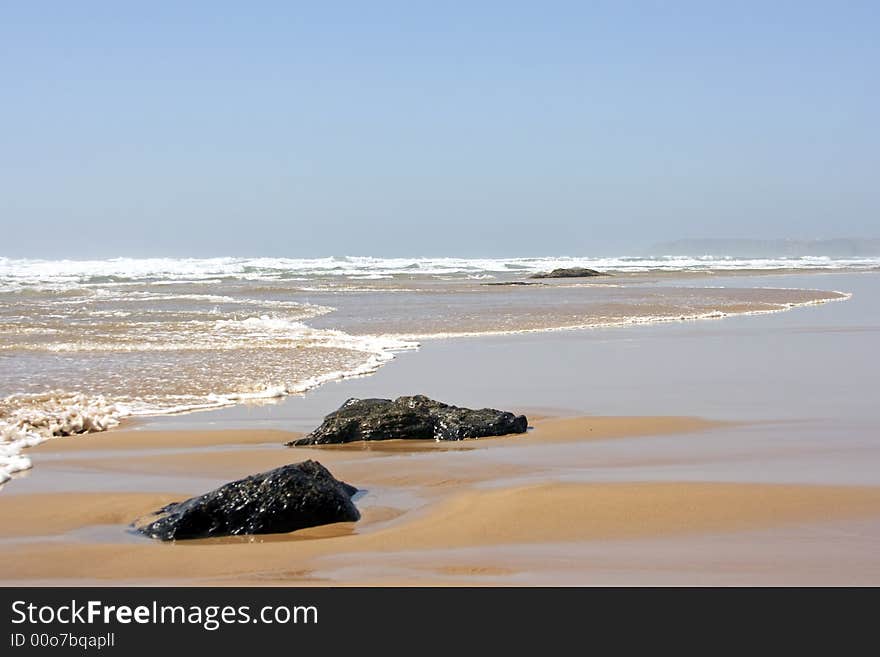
(427, 507)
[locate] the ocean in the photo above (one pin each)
(85, 344)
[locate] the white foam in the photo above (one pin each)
(279, 327)
(28, 420)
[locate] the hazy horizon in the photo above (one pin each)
(457, 130)
(737, 247)
(772, 249)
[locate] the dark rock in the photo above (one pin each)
(285, 499)
(570, 272)
(410, 417)
(512, 283)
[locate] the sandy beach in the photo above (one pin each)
(454, 505)
(738, 486)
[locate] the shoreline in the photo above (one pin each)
(114, 414)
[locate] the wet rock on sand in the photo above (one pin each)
(285, 499)
(410, 417)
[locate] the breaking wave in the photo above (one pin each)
(18, 272)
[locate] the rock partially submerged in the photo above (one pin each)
(570, 272)
(410, 417)
(285, 499)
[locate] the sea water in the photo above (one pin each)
(84, 344)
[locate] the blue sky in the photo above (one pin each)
(468, 129)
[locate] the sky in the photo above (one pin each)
(433, 128)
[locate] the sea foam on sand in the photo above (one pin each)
(29, 419)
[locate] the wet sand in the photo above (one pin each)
(427, 507)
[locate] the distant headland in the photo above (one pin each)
(749, 248)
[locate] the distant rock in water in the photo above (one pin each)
(570, 272)
(410, 417)
(512, 283)
(282, 500)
